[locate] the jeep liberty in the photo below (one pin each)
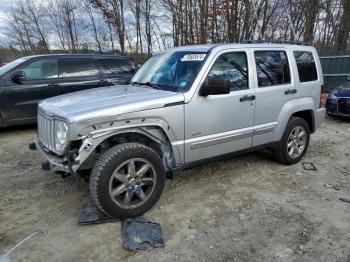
(183, 106)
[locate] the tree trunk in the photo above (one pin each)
(344, 30)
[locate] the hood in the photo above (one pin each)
(107, 101)
(342, 90)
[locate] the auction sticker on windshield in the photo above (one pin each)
(193, 57)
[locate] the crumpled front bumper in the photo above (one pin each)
(51, 161)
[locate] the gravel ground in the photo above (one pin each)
(247, 208)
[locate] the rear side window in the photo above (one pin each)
(41, 69)
(78, 67)
(231, 66)
(272, 68)
(118, 66)
(306, 66)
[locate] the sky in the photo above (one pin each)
(4, 7)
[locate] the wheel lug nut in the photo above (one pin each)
(129, 178)
(136, 177)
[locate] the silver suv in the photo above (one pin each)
(182, 107)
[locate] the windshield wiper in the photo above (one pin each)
(155, 86)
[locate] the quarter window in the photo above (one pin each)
(78, 67)
(272, 68)
(232, 66)
(306, 66)
(41, 69)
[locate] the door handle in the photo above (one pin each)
(247, 98)
(290, 92)
(53, 85)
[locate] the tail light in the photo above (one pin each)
(323, 97)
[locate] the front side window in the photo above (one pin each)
(78, 67)
(232, 66)
(172, 71)
(272, 68)
(41, 69)
(118, 66)
(306, 66)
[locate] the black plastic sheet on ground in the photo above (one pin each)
(138, 231)
(90, 214)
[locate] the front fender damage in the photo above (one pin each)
(96, 143)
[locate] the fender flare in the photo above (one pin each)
(153, 131)
(290, 108)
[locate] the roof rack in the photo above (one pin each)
(273, 42)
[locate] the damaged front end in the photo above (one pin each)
(81, 155)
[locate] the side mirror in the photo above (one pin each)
(215, 87)
(347, 77)
(18, 76)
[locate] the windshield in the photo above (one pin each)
(172, 71)
(11, 65)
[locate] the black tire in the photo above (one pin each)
(281, 152)
(107, 164)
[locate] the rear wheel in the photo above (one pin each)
(294, 142)
(127, 180)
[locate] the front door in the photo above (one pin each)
(23, 97)
(220, 124)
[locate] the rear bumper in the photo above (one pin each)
(319, 117)
(51, 161)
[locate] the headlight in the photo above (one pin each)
(61, 132)
(332, 97)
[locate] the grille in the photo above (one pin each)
(46, 128)
(344, 105)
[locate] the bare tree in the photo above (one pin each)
(89, 10)
(344, 30)
(113, 11)
(62, 15)
(156, 25)
(35, 15)
(147, 8)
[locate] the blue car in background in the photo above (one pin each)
(338, 101)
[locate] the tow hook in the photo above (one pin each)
(32, 146)
(45, 165)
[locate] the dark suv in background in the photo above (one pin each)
(338, 101)
(28, 80)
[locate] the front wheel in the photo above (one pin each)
(294, 142)
(127, 180)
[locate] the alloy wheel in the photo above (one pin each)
(132, 183)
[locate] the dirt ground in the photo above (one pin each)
(247, 208)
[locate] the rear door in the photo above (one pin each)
(308, 77)
(116, 70)
(275, 87)
(78, 74)
(23, 97)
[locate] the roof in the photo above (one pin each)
(95, 56)
(253, 44)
